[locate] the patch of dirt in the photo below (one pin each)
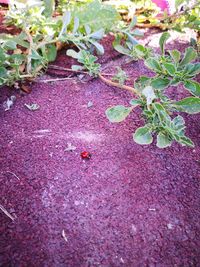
(129, 205)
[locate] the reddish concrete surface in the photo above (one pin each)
(129, 205)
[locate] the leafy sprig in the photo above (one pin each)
(157, 107)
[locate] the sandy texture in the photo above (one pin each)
(129, 205)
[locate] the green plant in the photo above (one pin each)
(120, 76)
(87, 60)
(27, 54)
(157, 107)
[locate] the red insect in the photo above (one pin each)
(85, 155)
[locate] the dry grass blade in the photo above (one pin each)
(64, 235)
(13, 174)
(6, 213)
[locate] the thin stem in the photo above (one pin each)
(77, 71)
(30, 39)
(55, 80)
(125, 87)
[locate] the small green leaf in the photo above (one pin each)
(193, 87)
(3, 72)
(49, 7)
(163, 40)
(186, 141)
(131, 38)
(118, 47)
(190, 55)
(51, 52)
(98, 34)
(117, 113)
(189, 105)
(137, 32)
(87, 29)
(170, 68)
(99, 47)
(176, 55)
(153, 64)
(10, 44)
(72, 53)
(192, 69)
(135, 102)
(143, 136)
(76, 25)
(163, 140)
(66, 21)
(77, 67)
(160, 83)
(35, 55)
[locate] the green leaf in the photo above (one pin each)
(176, 55)
(189, 105)
(117, 113)
(137, 32)
(192, 69)
(10, 44)
(99, 47)
(118, 47)
(35, 55)
(160, 83)
(186, 141)
(193, 87)
(143, 136)
(163, 140)
(161, 112)
(135, 102)
(132, 40)
(76, 25)
(51, 52)
(98, 34)
(66, 21)
(97, 15)
(163, 40)
(153, 64)
(3, 72)
(190, 55)
(178, 123)
(77, 67)
(170, 68)
(49, 7)
(72, 53)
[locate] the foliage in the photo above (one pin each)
(87, 60)
(171, 68)
(28, 53)
(125, 39)
(80, 28)
(120, 76)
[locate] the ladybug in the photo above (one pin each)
(85, 155)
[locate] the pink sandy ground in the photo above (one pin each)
(129, 205)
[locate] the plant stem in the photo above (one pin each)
(77, 71)
(125, 87)
(30, 39)
(55, 80)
